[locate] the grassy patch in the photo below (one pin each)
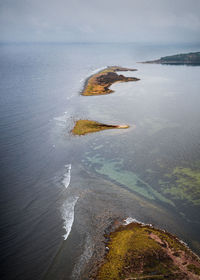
(143, 252)
(83, 127)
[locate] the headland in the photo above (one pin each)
(138, 251)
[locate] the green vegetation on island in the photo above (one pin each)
(98, 84)
(138, 251)
(192, 58)
(83, 127)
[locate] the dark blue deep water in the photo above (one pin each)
(56, 187)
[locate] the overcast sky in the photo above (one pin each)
(169, 21)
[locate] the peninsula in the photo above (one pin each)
(99, 83)
(83, 127)
(138, 251)
(192, 58)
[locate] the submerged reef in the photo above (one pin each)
(138, 251)
(98, 84)
(182, 184)
(83, 127)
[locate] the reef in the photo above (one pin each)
(98, 84)
(182, 184)
(83, 127)
(138, 251)
(184, 58)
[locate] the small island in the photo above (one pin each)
(192, 58)
(99, 83)
(138, 251)
(83, 127)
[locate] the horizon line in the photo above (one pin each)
(90, 42)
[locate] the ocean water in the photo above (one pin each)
(59, 191)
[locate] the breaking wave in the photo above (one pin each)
(83, 259)
(68, 215)
(130, 220)
(67, 176)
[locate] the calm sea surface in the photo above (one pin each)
(57, 190)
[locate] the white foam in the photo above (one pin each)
(67, 176)
(92, 73)
(83, 259)
(62, 119)
(97, 70)
(68, 215)
(130, 220)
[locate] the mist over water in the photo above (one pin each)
(55, 187)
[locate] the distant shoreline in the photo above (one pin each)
(178, 59)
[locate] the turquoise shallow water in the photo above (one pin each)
(56, 186)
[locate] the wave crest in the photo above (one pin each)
(68, 215)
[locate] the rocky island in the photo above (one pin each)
(138, 251)
(98, 84)
(83, 127)
(192, 58)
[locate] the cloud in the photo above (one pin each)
(99, 21)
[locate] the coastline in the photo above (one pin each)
(178, 59)
(141, 251)
(189, 268)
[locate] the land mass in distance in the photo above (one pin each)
(192, 58)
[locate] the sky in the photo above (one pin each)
(154, 21)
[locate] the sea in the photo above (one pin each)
(58, 191)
